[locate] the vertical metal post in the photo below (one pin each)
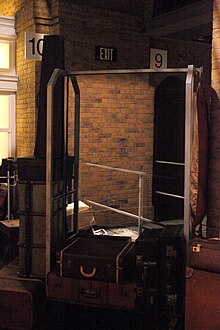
(76, 150)
(49, 164)
(49, 167)
(9, 197)
(65, 154)
(188, 143)
(140, 204)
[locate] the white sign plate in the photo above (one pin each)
(34, 46)
(158, 59)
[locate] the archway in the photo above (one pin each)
(169, 139)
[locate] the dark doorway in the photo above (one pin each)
(168, 160)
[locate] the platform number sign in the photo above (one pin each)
(158, 59)
(34, 46)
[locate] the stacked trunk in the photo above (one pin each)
(32, 171)
(32, 233)
(160, 261)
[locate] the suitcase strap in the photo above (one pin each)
(60, 262)
(118, 268)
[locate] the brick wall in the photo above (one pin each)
(117, 114)
(24, 12)
(31, 16)
(85, 27)
(25, 112)
(116, 130)
(9, 8)
(116, 111)
(25, 104)
(128, 138)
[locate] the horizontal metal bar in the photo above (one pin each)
(128, 71)
(169, 163)
(71, 192)
(117, 211)
(10, 177)
(167, 194)
(116, 169)
(58, 197)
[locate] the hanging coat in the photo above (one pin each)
(199, 160)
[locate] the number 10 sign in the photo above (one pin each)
(34, 46)
(158, 59)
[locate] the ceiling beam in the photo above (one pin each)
(191, 16)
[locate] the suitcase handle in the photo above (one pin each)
(87, 275)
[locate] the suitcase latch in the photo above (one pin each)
(196, 248)
(139, 260)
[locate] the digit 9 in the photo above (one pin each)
(158, 60)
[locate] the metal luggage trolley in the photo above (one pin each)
(191, 73)
(10, 225)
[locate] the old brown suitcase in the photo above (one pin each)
(202, 310)
(22, 303)
(91, 292)
(9, 235)
(100, 258)
(9, 272)
(204, 254)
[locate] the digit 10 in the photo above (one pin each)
(158, 60)
(39, 46)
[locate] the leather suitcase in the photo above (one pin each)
(160, 257)
(101, 258)
(173, 250)
(89, 292)
(204, 254)
(148, 257)
(10, 272)
(202, 310)
(22, 303)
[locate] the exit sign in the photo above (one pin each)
(108, 54)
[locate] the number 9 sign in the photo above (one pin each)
(34, 46)
(158, 59)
